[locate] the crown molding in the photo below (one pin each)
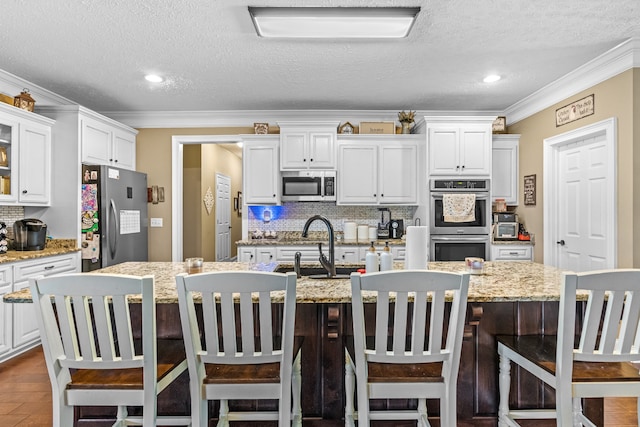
(246, 118)
(10, 83)
(620, 58)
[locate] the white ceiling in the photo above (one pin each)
(96, 53)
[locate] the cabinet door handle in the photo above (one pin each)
(24, 191)
(311, 160)
(462, 167)
(382, 195)
(49, 267)
(374, 195)
(304, 160)
(111, 160)
(513, 253)
(457, 167)
(116, 160)
(274, 195)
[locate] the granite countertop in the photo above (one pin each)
(512, 242)
(502, 281)
(53, 247)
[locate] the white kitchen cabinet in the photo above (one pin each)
(504, 168)
(104, 143)
(6, 287)
(260, 171)
(20, 329)
(397, 252)
(25, 157)
(377, 170)
(459, 146)
(307, 145)
(506, 252)
(347, 254)
(246, 254)
(309, 252)
(34, 167)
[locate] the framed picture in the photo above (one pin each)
(499, 125)
(346, 129)
(530, 190)
(239, 203)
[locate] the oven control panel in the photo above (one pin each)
(465, 184)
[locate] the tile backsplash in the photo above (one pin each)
(292, 216)
(9, 215)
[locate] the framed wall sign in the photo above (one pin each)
(530, 190)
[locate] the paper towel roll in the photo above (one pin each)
(363, 233)
(417, 248)
(350, 231)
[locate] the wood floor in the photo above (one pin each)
(25, 395)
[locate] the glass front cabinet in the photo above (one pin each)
(25, 157)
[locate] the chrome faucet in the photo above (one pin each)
(328, 264)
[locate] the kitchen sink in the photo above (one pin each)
(319, 272)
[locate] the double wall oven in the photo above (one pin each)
(454, 241)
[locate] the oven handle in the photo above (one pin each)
(481, 196)
(466, 238)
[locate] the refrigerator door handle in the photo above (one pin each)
(114, 230)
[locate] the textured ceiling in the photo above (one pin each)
(96, 52)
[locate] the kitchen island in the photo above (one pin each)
(509, 298)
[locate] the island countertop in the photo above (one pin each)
(502, 281)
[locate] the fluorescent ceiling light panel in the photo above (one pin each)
(333, 22)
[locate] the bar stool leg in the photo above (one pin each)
(349, 383)
(504, 385)
(296, 385)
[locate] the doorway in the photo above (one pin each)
(177, 182)
(580, 208)
(223, 215)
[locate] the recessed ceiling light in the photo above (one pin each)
(153, 78)
(333, 22)
(491, 78)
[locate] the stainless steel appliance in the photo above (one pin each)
(309, 186)
(30, 234)
(506, 230)
(383, 225)
(455, 241)
(114, 216)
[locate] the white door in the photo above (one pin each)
(582, 205)
(223, 215)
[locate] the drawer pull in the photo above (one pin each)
(49, 267)
(514, 253)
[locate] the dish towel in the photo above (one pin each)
(459, 207)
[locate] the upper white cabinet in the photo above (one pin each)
(260, 171)
(25, 157)
(106, 144)
(504, 170)
(380, 169)
(307, 145)
(459, 145)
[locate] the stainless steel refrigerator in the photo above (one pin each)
(114, 216)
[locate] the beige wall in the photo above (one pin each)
(191, 212)
(153, 157)
(613, 98)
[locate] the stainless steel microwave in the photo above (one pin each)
(309, 186)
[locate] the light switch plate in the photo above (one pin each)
(156, 222)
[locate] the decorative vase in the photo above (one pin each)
(406, 127)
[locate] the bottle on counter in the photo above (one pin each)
(386, 259)
(372, 261)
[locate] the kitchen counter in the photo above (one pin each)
(511, 297)
(512, 242)
(53, 247)
(503, 281)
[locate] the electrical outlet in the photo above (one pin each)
(156, 222)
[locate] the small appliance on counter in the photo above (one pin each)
(30, 234)
(506, 226)
(383, 225)
(396, 228)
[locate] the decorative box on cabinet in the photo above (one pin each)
(260, 171)
(307, 145)
(20, 328)
(459, 145)
(378, 169)
(25, 157)
(504, 168)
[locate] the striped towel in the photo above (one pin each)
(459, 207)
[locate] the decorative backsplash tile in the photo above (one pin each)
(292, 216)
(9, 215)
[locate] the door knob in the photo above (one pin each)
(561, 242)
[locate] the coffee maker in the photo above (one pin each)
(30, 234)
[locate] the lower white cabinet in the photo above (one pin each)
(511, 253)
(310, 254)
(20, 327)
